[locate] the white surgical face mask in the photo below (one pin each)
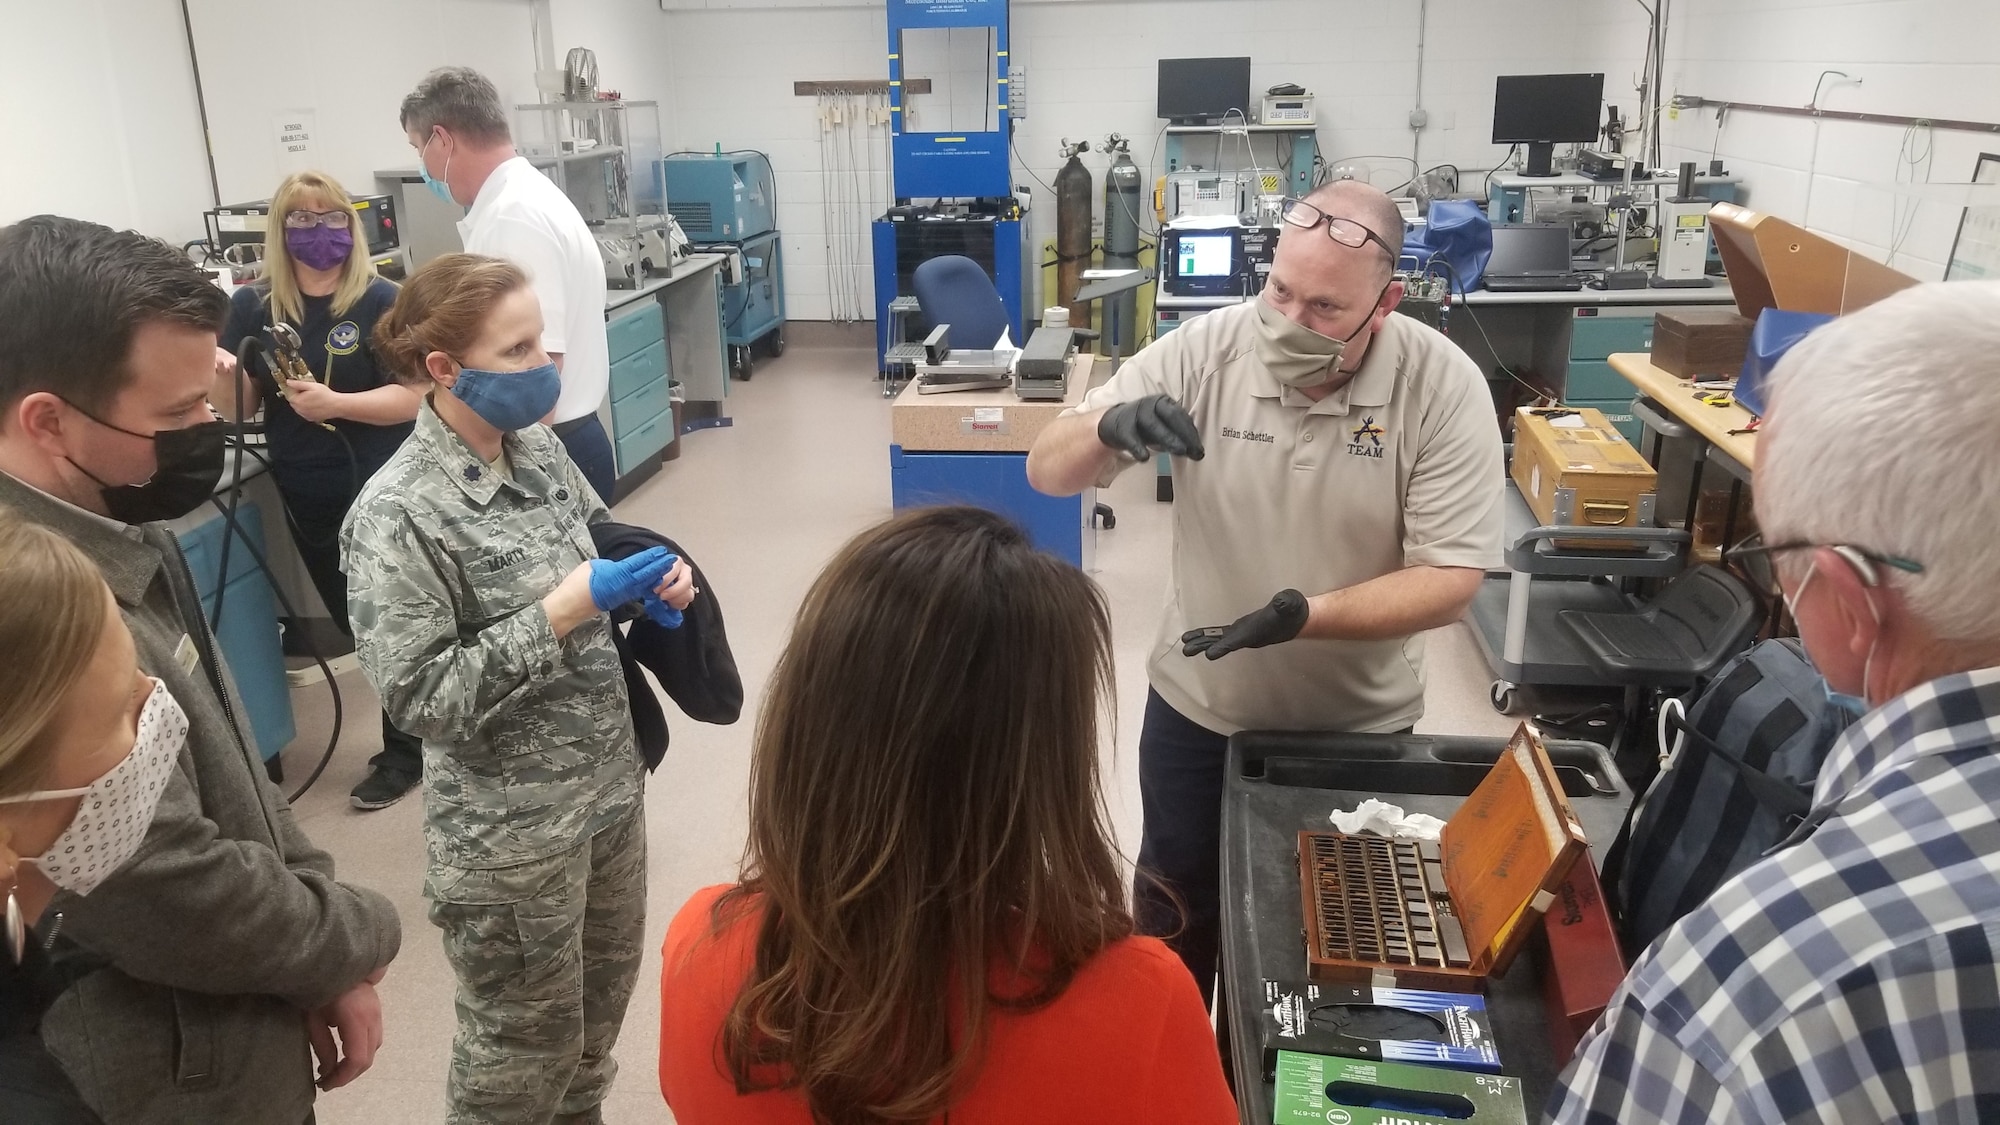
(117, 808)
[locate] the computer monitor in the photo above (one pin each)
(1527, 249)
(1204, 263)
(1544, 110)
(1196, 91)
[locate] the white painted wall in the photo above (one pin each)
(97, 115)
(1934, 58)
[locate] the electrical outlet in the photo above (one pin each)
(1017, 93)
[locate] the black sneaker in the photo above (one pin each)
(381, 788)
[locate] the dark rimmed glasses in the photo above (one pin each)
(1298, 213)
(1753, 557)
(306, 220)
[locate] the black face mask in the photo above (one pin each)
(190, 465)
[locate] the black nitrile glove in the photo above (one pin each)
(1276, 623)
(1154, 423)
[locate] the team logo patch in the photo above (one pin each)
(1367, 439)
(345, 337)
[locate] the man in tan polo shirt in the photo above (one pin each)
(1337, 491)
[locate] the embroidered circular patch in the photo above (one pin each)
(345, 337)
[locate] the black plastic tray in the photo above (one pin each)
(1280, 782)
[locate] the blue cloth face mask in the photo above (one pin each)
(1853, 706)
(509, 400)
(439, 188)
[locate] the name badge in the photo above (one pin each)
(186, 655)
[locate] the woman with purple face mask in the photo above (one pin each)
(329, 435)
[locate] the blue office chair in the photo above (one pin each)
(954, 290)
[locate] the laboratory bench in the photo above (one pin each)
(1278, 783)
(664, 340)
(971, 447)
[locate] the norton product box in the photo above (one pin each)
(1385, 1024)
(1317, 1089)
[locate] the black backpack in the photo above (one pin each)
(1750, 751)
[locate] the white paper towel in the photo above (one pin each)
(1385, 819)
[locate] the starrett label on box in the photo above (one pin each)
(984, 420)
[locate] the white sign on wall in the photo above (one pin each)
(295, 140)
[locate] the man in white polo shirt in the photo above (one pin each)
(1337, 491)
(457, 124)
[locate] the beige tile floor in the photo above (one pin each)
(762, 504)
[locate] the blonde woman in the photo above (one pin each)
(86, 745)
(318, 279)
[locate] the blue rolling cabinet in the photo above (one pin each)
(642, 418)
(1595, 335)
(997, 482)
(248, 637)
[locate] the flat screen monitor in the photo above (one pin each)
(1527, 249)
(1196, 91)
(1543, 111)
(1203, 263)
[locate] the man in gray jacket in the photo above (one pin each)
(232, 954)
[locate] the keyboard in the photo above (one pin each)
(1559, 283)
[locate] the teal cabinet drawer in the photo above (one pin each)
(1617, 411)
(641, 406)
(1594, 379)
(1594, 337)
(644, 441)
(634, 329)
(635, 373)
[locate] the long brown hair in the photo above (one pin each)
(927, 831)
(50, 623)
(442, 308)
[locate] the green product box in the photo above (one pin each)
(1321, 1090)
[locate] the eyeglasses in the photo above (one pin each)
(1298, 213)
(306, 220)
(1753, 557)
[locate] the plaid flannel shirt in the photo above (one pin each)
(1850, 976)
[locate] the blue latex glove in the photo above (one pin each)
(616, 582)
(660, 612)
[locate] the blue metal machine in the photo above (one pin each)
(726, 203)
(952, 178)
(721, 198)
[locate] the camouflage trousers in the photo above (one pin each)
(546, 954)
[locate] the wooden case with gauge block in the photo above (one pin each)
(1388, 912)
(1576, 470)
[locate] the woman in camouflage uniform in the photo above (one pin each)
(479, 615)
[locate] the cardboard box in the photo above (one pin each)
(1581, 965)
(1696, 341)
(1316, 1089)
(1449, 914)
(1385, 1024)
(1576, 470)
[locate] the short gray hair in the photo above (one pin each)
(1885, 434)
(462, 100)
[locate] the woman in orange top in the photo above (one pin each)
(931, 918)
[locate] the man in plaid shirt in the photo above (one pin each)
(1852, 975)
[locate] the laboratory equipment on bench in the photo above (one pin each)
(1544, 110)
(1683, 262)
(965, 369)
(602, 154)
(1073, 182)
(1287, 105)
(727, 204)
(1121, 242)
(1042, 369)
(1531, 258)
(1200, 192)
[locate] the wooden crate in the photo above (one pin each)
(1694, 342)
(1575, 469)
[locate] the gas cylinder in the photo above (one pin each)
(1121, 243)
(1072, 231)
